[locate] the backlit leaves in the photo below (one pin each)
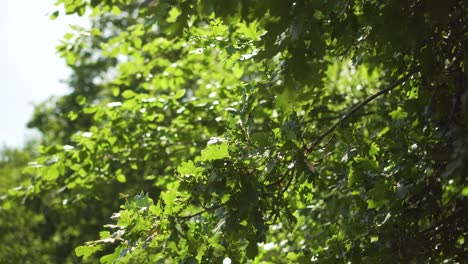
(215, 152)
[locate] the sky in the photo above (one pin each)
(30, 69)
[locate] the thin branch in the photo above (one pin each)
(293, 174)
(279, 180)
(214, 207)
(358, 107)
(339, 116)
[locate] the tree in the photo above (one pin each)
(262, 131)
(21, 226)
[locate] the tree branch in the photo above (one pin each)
(357, 107)
(279, 180)
(214, 207)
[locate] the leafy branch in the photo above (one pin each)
(353, 110)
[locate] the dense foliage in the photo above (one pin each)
(252, 131)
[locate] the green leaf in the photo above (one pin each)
(366, 164)
(137, 42)
(379, 194)
(174, 13)
(189, 168)
(71, 58)
(72, 116)
(465, 191)
(142, 200)
(398, 114)
(54, 15)
(121, 177)
(371, 204)
(231, 50)
(286, 99)
(179, 94)
(51, 173)
(89, 109)
(252, 250)
(374, 149)
(215, 152)
(128, 94)
(80, 99)
(115, 91)
(87, 251)
(115, 10)
(68, 36)
(111, 258)
(169, 197)
(383, 132)
(6, 205)
(250, 30)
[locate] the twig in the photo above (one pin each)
(357, 107)
(279, 180)
(214, 207)
(339, 116)
(293, 174)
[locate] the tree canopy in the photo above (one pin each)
(280, 131)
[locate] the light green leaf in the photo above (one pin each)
(72, 115)
(215, 152)
(120, 177)
(465, 191)
(189, 168)
(81, 100)
(54, 15)
(174, 13)
(115, 91)
(374, 149)
(7, 205)
(115, 10)
(68, 36)
(179, 94)
(128, 94)
(137, 42)
(51, 173)
(87, 251)
(169, 197)
(398, 114)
